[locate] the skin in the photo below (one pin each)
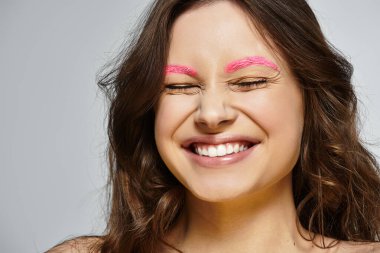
(272, 114)
(244, 206)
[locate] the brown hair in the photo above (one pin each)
(335, 181)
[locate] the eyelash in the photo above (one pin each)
(176, 89)
(182, 88)
(249, 85)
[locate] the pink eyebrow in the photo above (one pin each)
(249, 61)
(180, 69)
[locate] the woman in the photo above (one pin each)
(233, 129)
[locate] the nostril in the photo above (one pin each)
(223, 122)
(213, 124)
(209, 125)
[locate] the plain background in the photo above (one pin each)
(52, 125)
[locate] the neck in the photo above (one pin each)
(263, 222)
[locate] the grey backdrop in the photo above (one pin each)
(52, 131)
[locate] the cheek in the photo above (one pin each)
(278, 111)
(171, 112)
(279, 114)
(285, 116)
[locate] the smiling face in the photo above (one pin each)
(229, 121)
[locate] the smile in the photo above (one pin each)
(212, 151)
(220, 149)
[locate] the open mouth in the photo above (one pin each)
(220, 150)
(212, 151)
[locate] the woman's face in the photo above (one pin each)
(230, 119)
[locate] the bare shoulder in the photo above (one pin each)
(358, 247)
(86, 244)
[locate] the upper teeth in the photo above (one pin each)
(219, 150)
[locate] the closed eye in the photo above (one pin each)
(247, 85)
(182, 88)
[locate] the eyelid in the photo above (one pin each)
(270, 76)
(182, 85)
(182, 88)
(248, 78)
(248, 84)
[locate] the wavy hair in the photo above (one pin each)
(336, 181)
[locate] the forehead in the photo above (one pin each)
(219, 32)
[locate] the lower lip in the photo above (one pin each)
(218, 161)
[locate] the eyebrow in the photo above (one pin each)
(180, 69)
(249, 61)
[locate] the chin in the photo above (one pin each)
(219, 192)
(236, 188)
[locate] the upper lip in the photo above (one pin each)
(215, 140)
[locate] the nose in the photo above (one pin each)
(214, 111)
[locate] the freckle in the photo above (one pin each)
(294, 243)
